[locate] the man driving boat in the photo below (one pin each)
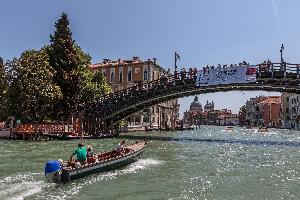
(80, 153)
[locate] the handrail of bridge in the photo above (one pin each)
(191, 75)
(106, 104)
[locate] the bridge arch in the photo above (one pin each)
(111, 108)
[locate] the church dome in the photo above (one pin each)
(195, 104)
(209, 106)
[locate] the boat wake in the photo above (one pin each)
(141, 164)
(71, 190)
(19, 186)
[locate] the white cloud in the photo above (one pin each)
(276, 13)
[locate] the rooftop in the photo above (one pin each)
(135, 60)
(272, 100)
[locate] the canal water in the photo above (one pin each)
(208, 163)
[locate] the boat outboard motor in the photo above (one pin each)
(53, 171)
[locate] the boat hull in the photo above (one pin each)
(134, 151)
(69, 176)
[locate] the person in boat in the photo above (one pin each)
(80, 153)
(120, 146)
(90, 153)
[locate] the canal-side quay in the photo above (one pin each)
(195, 164)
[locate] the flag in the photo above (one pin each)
(251, 71)
(177, 57)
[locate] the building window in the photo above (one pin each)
(137, 70)
(145, 70)
(112, 75)
(129, 74)
(120, 75)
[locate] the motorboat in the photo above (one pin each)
(263, 129)
(58, 171)
(229, 128)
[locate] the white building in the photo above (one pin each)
(294, 111)
(285, 110)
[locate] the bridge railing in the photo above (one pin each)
(278, 71)
(111, 103)
(43, 128)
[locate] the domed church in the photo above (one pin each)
(196, 106)
(194, 115)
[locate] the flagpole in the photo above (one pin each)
(175, 56)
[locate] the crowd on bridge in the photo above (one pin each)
(207, 67)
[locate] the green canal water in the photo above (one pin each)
(208, 163)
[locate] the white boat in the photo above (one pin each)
(262, 130)
(229, 128)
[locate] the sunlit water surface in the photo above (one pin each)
(208, 163)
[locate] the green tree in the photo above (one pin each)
(3, 91)
(71, 65)
(242, 115)
(33, 92)
(94, 86)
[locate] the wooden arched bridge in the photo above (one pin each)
(110, 108)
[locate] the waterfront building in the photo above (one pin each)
(226, 118)
(294, 111)
(121, 74)
(209, 107)
(285, 110)
(264, 111)
(194, 115)
(254, 111)
(209, 116)
(242, 116)
(271, 109)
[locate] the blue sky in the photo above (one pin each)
(201, 31)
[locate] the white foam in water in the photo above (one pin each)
(75, 187)
(141, 164)
(19, 186)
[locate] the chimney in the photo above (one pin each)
(105, 60)
(154, 60)
(135, 58)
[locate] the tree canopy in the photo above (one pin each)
(3, 91)
(71, 65)
(50, 83)
(33, 91)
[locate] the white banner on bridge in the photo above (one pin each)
(229, 75)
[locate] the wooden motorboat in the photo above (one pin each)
(65, 172)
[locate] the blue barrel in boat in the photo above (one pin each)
(52, 166)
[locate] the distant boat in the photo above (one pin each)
(262, 129)
(229, 128)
